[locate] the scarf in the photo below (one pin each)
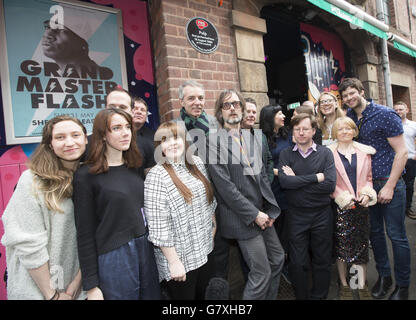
(191, 123)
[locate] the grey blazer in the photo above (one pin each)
(240, 195)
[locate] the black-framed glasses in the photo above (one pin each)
(235, 104)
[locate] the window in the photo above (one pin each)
(386, 11)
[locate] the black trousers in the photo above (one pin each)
(195, 285)
(409, 179)
(310, 236)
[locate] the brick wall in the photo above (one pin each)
(400, 17)
(176, 61)
(405, 66)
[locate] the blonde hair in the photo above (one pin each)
(340, 121)
(321, 118)
(51, 178)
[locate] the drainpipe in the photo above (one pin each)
(385, 58)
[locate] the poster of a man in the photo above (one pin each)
(57, 62)
(66, 47)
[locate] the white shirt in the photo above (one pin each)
(409, 128)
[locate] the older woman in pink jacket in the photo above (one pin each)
(353, 194)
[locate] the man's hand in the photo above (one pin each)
(288, 171)
(320, 176)
(385, 195)
(262, 220)
(270, 222)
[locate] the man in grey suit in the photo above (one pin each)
(246, 205)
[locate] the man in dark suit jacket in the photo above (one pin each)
(145, 135)
(246, 205)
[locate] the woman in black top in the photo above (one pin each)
(116, 259)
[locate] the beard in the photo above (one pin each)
(234, 120)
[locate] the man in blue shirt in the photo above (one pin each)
(381, 128)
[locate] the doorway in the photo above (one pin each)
(304, 56)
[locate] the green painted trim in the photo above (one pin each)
(405, 49)
(344, 15)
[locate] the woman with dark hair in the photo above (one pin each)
(39, 227)
(117, 261)
(272, 122)
(180, 209)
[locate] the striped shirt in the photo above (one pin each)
(173, 222)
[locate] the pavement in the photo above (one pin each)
(236, 280)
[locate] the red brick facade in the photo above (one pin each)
(176, 61)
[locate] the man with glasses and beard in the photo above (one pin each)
(246, 205)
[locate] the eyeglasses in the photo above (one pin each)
(326, 101)
(235, 104)
(302, 129)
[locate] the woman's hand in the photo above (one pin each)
(364, 200)
(64, 296)
(95, 294)
(350, 206)
(74, 288)
(177, 271)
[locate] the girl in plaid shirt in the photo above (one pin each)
(180, 210)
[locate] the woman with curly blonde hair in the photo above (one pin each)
(328, 111)
(39, 227)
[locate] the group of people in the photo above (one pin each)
(128, 213)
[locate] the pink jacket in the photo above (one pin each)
(344, 191)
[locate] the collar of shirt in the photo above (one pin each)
(307, 153)
(176, 164)
(367, 110)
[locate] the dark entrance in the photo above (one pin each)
(285, 63)
(304, 56)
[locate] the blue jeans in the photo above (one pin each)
(393, 215)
